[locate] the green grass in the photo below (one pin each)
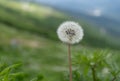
(38, 55)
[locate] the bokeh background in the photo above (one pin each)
(28, 32)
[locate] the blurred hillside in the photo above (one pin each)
(43, 21)
(103, 13)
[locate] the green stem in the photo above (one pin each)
(93, 73)
(70, 62)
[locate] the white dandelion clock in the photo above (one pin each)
(70, 32)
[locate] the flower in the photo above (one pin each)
(70, 32)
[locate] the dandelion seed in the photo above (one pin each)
(70, 32)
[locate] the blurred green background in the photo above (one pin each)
(28, 35)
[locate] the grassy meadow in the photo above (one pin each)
(28, 36)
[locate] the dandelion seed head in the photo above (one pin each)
(70, 32)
